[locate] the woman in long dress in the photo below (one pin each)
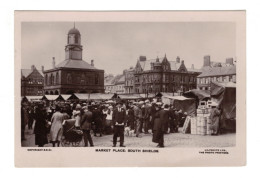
(40, 129)
(56, 127)
(214, 120)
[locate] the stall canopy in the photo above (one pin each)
(225, 95)
(91, 96)
(32, 98)
(161, 94)
(198, 94)
(63, 97)
(150, 95)
(79, 96)
(180, 102)
(129, 96)
(100, 96)
(50, 97)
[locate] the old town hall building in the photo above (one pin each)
(161, 75)
(73, 75)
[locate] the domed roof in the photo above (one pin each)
(74, 31)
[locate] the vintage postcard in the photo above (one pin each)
(130, 88)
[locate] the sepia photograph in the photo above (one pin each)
(129, 85)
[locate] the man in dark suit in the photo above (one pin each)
(163, 126)
(118, 122)
(85, 124)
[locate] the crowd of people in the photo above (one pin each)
(57, 120)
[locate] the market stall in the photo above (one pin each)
(224, 94)
(32, 99)
(180, 102)
(50, 97)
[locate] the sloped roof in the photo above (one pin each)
(26, 72)
(121, 80)
(226, 84)
(78, 64)
(175, 65)
(181, 98)
(217, 71)
(146, 65)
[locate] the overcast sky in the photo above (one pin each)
(116, 46)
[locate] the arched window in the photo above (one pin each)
(57, 78)
(69, 78)
(52, 79)
(46, 79)
(96, 79)
(82, 80)
(49, 81)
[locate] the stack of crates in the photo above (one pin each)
(193, 125)
(201, 125)
(203, 113)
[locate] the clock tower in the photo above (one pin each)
(73, 49)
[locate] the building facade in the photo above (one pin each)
(161, 75)
(73, 75)
(115, 84)
(31, 82)
(216, 71)
(129, 80)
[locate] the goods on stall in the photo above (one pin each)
(201, 125)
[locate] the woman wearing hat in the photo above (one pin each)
(40, 129)
(56, 127)
(76, 115)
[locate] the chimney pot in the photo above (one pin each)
(33, 67)
(92, 62)
(142, 58)
(206, 60)
(229, 61)
(192, 66)
(178, 59)
(42, 68)
(53, 62)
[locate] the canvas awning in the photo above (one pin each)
(129, 96)
(195, 93)
(180, 102)
(50, 97)
(160, 94)
(79, 96)
(150, 95)
(64, 97)
(33, 98)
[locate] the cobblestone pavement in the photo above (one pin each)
(171, 140)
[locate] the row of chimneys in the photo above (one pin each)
(178, 60)
(207, 61)
(143, 58)
(53, 64)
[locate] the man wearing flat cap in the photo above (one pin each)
(118, 122)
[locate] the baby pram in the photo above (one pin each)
(71, 135)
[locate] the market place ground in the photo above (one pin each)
(171, 140)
